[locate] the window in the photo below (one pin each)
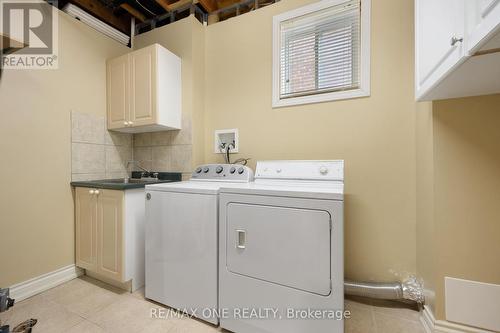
(321, 52)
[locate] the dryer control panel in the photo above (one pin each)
(223, 172)
(332, 170)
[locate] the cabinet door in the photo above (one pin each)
(486, 22)
(110, 234)
(118, 92)
(85, 217)
(143, 86)
(437, 24)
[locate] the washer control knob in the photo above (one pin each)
(198, 170)
(278, 170)
(232, 170)
(206, 169)
(323, 170)
(219, 169)
(241, 170)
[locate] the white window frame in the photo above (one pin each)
(364, 87)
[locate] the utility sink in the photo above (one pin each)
(129, 183)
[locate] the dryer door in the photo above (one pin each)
(289, 246)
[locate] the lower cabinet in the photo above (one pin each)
(110, 233)
(85, 229)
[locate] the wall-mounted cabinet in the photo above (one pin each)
(110, 233)
(457, 46)
(484, 21)
(144, 91)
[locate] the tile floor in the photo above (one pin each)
(87, 305)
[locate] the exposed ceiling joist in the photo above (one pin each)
(206, 11)
(226, 3)
(209, 5)
(134, 12)
(170, 6)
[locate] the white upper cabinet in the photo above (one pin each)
(450, 37)
(443, 39)
(144, 91)
(117, 91)
(484, 21)
(143, 87)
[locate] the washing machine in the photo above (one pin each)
(281, 249)
(182, 239)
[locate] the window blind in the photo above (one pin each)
(320, 51)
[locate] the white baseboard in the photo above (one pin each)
(431, 325)
(44, 282)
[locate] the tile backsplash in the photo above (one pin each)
(97, 153)
(166, 151)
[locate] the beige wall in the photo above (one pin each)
(375, 136)
(467, 191)
(178, 150)
(198, 115)
(36, 204)
(425, 230)
(458, 191)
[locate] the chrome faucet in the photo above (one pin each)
(148, 172)
(137, 164)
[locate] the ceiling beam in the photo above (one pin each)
(209, 5)
(104, 14)
(227, 3)
(134, 12)
(170, 6)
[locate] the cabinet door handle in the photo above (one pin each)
(455, 40)
(96, 192)
(130, 123)
(240, 239)
(125, 123)
(91, 191)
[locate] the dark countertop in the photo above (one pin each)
(116, 184)
(135, 182)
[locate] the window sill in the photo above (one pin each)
(320, 98)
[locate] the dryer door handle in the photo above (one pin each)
(241, 238)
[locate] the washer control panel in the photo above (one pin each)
(223, 172)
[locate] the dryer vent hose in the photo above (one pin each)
(408, 290)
